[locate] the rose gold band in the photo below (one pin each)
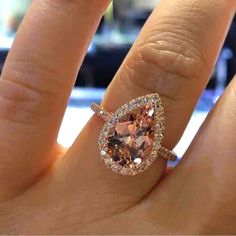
(101, 112)
(105, 115)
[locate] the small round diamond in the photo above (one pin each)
(137, 160)
(103, 153)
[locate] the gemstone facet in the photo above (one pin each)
(130, 141)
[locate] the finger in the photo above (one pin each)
(174, 61)
(205, 180)
(36, 82)
(198, 196)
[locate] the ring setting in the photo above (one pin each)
(130, 140)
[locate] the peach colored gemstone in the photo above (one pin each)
(130, 142)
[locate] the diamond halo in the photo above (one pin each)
(149, 139)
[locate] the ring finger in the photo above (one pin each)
(173, 56)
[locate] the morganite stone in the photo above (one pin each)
(130, 142)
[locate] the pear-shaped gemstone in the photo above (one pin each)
(130, 141)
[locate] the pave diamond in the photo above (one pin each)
(130, 141)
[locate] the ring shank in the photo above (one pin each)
(166, 154)
(100, 111)
(105, 115)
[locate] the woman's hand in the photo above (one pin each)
(45, 189)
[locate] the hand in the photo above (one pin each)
(45, 189)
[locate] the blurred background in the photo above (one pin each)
(116, 33)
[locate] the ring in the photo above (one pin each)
(130, 140)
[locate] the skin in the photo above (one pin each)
(45, 189)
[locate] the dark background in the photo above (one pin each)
(106, 54)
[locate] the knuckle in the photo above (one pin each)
(35, 74)
(171, 58)
(28, 94)
(18, 103)
(165, 62)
